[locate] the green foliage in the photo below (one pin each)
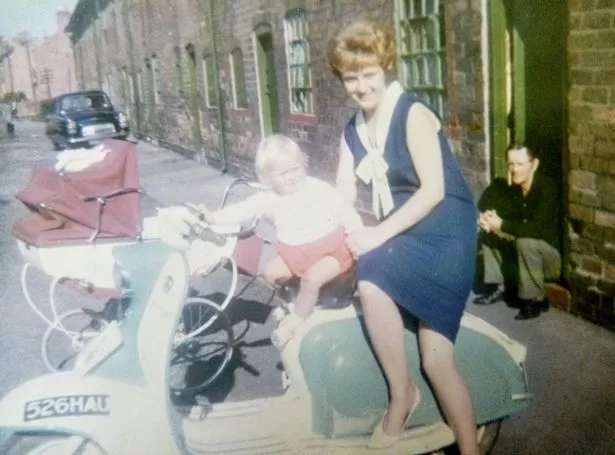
(45, 106)
(14, 96)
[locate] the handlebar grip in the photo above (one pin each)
(207, 235)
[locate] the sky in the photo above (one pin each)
(35, 16)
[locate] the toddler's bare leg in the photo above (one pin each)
(276, 271)
(320, 273)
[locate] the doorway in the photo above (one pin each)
(528, 81)
(266, 77)
(528, 85)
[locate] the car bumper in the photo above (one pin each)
(98, 137)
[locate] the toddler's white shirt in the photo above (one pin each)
(311, 212)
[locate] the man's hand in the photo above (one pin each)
(490, 221)
(364, 240)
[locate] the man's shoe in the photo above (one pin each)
(490, 297)
(531, 309)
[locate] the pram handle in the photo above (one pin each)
(102, 199)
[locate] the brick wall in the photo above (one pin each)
(463, 22)
(591, 97)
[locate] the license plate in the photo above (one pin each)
(93, 130)
(65, 406)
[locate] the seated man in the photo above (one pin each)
(520, 226)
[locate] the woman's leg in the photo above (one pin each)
(437, 356)
(386, 332)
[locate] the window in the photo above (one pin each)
(178, 76)
(131, 89)
(153, 76)
(298, 60)
(240, 98)
(125, 87)
(140, 86)
(211, 94)
(421, 50)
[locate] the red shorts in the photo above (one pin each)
(299, 258)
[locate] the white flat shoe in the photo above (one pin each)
(382, 440)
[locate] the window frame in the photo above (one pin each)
(240, 98)
(296, 36)
(421, 50)
(209, 85)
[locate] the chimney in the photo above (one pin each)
(63, 17)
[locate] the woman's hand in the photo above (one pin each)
(363, 240)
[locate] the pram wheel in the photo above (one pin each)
(202, 348)
(63, 340)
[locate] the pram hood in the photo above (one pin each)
(67, 215)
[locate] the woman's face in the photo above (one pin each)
(365, 86)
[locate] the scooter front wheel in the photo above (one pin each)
(52, 445)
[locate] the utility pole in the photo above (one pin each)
(46, 78)
(25, 40)
(5, 54)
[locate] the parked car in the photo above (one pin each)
(80, 119)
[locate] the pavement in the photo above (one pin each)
(570, 362)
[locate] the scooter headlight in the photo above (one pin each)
(71, 127)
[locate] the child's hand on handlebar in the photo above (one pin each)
(202, 212)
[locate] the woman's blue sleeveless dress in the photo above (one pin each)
(429, 269)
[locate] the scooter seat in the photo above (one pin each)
(336, 294)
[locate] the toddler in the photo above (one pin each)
(311, 219)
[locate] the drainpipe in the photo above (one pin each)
(209, 11)
(131, 57)
(97, 44)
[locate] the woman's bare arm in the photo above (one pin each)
(422, 128)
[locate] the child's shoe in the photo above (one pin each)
(285, 330)
(282, 311)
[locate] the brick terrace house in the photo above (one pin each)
(210, 78)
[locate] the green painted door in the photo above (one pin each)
(528, 83)
(267, 80)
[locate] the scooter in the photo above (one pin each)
(119, 395)
(116, 400)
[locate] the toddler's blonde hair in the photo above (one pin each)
(272, 150)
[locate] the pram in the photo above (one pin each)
(76, 219)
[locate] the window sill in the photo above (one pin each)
(241, 111)
(306, 119)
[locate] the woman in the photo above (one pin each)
(421, 255)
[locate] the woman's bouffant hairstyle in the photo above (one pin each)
(272, 150)
(365, 42)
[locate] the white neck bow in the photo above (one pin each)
(373, 167)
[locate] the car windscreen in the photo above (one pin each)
(85, 101)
